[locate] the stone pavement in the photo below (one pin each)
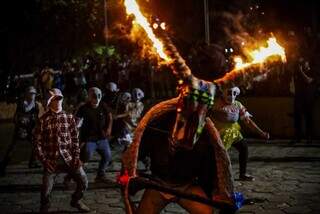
(287, 181)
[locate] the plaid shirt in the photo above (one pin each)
(57, 136)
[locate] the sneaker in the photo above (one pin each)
(246, 177)
(103, 179)
(80, 205)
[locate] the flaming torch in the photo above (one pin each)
(258, 56)
(166, 51)
(169, 54)
(132, 8)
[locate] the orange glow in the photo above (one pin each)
(132, 8)
(260, 55)
(155, 26)
(163, 25)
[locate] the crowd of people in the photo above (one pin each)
(54, 135)
(63, 141)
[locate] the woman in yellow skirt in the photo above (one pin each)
(226, 113)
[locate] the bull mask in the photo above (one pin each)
(195, 98)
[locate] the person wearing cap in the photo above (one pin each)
(57, 147)
(95, 131)
(226, 113)
(25, 119)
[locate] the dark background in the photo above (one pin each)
(39, 32)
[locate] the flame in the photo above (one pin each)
(132, 8)
(261, 54)
(258, 56)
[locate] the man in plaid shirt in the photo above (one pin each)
(57, 147)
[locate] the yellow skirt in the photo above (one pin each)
(230, 133)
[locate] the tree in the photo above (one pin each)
(40, 31)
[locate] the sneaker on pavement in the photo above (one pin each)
(80, 205)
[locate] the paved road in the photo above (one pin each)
(287, 181)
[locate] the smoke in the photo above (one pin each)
(241, 29)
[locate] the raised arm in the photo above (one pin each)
(255, 128)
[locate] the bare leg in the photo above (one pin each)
(195, 207)
(152, 202)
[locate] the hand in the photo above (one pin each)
(147, 162)
(107, 134)
(76, 163)
(81, 144)
(49, 166)
(265, 135)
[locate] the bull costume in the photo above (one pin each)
(189, 163)
(186, 152)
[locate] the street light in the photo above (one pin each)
(206, 22)
(105, 22)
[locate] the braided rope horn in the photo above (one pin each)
(177, 63)
(179, 66)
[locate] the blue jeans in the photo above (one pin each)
(103, 149)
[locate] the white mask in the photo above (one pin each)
(230, 94)
(56, 105)
(137, 94)
(94, 96)
(125, 98)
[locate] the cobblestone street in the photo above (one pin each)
(287, 181)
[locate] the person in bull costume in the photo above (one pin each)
(185, 149)
(189, 163)
(186, 152)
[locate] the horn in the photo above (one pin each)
(177, 64)
(243, 76)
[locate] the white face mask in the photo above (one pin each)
(29, 105)
(95, 97)
(31, 97)
(125, 98)
(231, 94)
(137, 94)
(56, 105)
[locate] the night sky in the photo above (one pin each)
(291, 12)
